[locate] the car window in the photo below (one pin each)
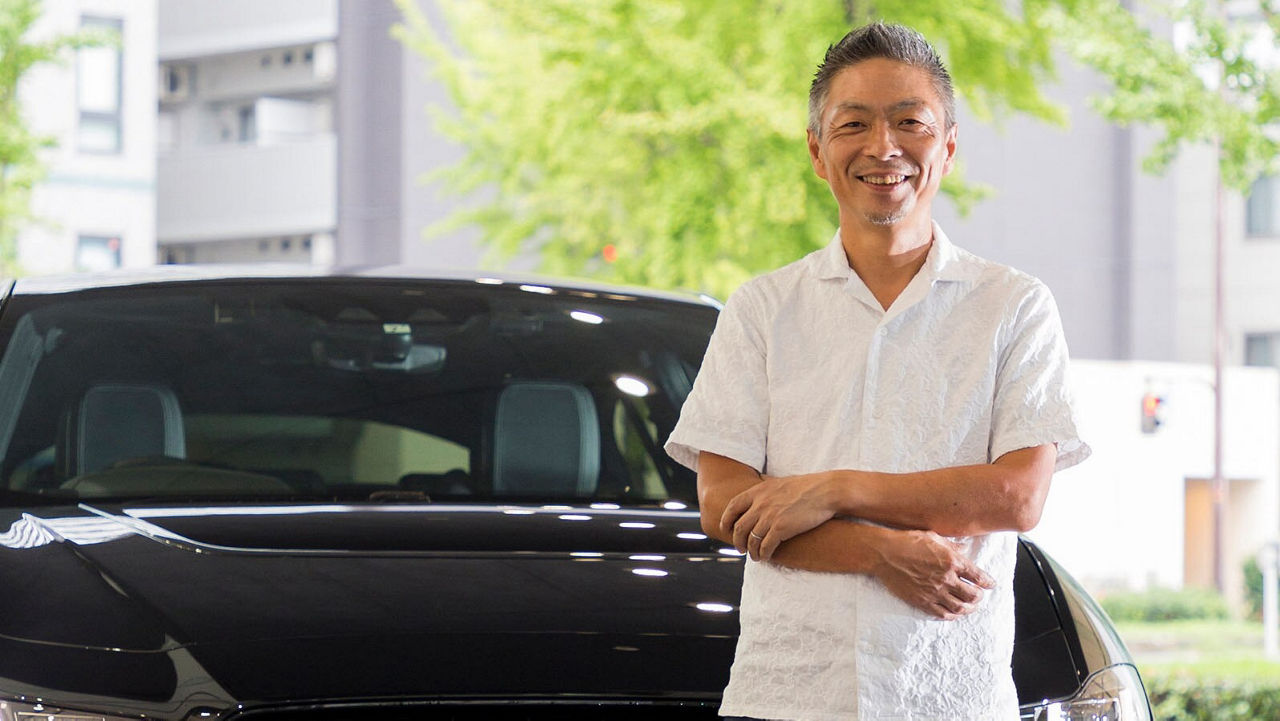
(349, 390)
(333, 450)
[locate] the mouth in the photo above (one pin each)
(883, 180)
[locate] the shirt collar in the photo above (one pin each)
(944, 262)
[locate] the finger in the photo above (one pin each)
(742, 530)
(976, 575)
(732, 510)
(969, 571)
(769, 544)
(953, 605)
(755, 538)
(939, 611)
(967, 592)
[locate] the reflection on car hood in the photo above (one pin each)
(423, 528)
(307, 602)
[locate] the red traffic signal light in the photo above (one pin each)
(1151, 412)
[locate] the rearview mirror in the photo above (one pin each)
(376, 346)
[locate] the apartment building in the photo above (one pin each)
(246, 146)
(295, 131)
(95, 207)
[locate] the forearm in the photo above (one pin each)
(920, 567)
(1007, 495)
(835, 546)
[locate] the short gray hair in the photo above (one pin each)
(880, 40)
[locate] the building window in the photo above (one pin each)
(1262, 210)
(1262, 349)
(246, 123)
(175, 254)
(97, 253)
(99, 95)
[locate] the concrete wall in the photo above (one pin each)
(386, 197)
(369, 123)
(425, 151)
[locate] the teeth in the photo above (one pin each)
(884, 179)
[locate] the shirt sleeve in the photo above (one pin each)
(1032, 403)
(727, 412)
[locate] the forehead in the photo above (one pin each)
(880, 83)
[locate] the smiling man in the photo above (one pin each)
(874, 423)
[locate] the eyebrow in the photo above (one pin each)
(900, 105)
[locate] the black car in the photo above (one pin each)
(387, 497)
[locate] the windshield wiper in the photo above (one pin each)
(399, 497)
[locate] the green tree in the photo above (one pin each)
(673, 130)
(1211, 88)
(20, 164)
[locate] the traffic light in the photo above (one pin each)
(1151, 412)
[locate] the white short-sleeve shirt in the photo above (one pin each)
(806, 372)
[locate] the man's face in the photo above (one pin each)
(884, 145)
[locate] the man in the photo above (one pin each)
(873, 424)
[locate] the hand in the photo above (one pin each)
(929, 573)
(774, 510)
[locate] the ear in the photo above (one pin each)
(950, 162)
(815, 155)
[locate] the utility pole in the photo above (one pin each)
(1220, 488)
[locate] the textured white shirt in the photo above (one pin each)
(806, 372)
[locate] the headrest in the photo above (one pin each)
(546, 441)
(116, 421)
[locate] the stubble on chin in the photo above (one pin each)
(885, 218)
(889, 216)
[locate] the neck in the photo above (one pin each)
(886, 257)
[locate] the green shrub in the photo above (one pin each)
(1162, 604)
(1177, 698)
(1253, 588)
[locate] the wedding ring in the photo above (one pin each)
(753, 535)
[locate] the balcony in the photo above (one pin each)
(230, 190)
(199, 28)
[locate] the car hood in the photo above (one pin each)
(304, 602)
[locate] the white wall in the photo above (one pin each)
(1117, 520)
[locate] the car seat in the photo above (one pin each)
(546, 441)
(118, 421)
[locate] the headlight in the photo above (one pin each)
(15, 711)
(1113, 694)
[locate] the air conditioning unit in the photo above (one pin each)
(175, 82)
(324, 60)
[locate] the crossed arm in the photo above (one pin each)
(804, 521)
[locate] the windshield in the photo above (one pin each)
(345, 390)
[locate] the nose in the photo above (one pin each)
(882, 144)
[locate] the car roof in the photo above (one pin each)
(167, 274)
